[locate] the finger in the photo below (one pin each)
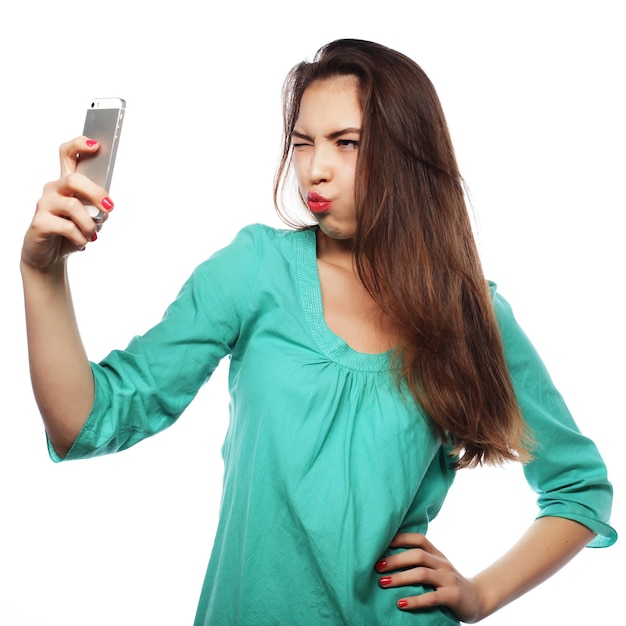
(65, 198)
(419, 575)
(47, 227)
(59, 201)
(423, 601)
(76, 184)
(409, 540)
(70, 151)
(65, 216)
(414, 540)
(400, 540)
(415, 557)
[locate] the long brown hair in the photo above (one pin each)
(415, 252)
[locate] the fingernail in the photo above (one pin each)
(91, 142)
(380, 565)
(94, 236)
(402, 604)
(107, 203)
(386, 580)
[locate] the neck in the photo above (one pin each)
(335, 251)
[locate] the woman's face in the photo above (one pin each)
(325, 147)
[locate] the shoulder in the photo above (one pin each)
(257, 249)
(502, 308)
(259, 238)
(515, 341)
(523, 360)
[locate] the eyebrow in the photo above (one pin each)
(331, 136)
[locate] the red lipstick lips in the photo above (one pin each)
(317, 203)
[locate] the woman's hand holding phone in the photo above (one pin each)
(61, 225)
(73, 208)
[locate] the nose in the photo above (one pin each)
(320, 165)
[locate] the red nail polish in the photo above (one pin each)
(91, 142)
(402, 604)
(107, 203)
(94, 236)
(386, 580)
(380, 565)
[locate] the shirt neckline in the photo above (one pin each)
(333, 346)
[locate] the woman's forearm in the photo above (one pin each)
(60, 372)
(546, 547)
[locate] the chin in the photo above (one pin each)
(336, 231)
(337, 234)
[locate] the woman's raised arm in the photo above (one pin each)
(60, 372)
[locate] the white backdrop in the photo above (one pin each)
(534, 94)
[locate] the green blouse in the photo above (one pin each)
(325, 460)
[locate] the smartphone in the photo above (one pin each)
(103, 122)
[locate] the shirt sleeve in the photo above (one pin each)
(567, 471)
(143, 389)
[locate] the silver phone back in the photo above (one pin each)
(103, 125)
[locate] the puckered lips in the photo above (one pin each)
(317, 203)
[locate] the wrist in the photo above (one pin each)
(41, 284)
(40, 268)
(486, 598)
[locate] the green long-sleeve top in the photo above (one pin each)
(324, 459)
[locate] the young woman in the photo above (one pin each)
(370, 360)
